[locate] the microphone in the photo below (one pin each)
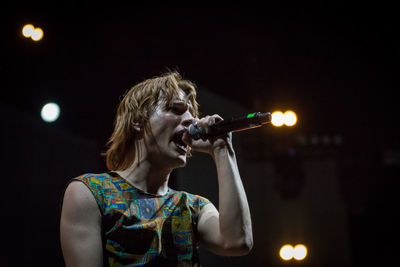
(249, 121)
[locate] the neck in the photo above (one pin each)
(147, 177)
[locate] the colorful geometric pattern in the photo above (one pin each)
(141, 229)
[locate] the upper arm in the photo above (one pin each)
(80, 227)
(209, 229)
(211, 236)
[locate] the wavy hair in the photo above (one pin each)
(137, 105)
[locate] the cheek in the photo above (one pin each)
(163, 123)
(171, 118)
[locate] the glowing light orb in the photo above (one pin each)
(50, 112)
(37, 34)
(27, 30)
(286, 252)
(300, 252)
(277, 119)
(290, 118)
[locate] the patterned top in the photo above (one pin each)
(142, 229)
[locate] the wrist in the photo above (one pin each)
(221, 151)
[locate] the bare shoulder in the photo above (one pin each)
(208, 217)
(80, 227)
(79, 201)
(208, 210)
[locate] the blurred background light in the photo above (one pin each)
(286, 252)
(27, 30)
(37, 34)
(50, 112)
(300, 252)
(277, 118)
(290, 118)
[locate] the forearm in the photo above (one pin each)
(234, 213)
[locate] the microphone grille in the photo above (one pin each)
(194, 133)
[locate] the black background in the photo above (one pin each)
(335, 65)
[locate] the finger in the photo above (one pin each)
(217, 118)
(211, 121)
(187, 139)
(203, 125)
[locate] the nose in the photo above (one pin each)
(187, 119)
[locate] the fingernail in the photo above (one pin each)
(207, 130)
(200, 129)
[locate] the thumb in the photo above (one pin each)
(187, 139)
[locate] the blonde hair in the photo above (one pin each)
(138, 105)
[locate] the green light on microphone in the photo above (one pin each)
(251, 115)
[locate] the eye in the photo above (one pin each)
(178, 108)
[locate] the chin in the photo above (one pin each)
(181, 161)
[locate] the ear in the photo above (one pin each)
(137, 126)
(139, 129)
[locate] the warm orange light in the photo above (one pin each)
(37, 34)
(290, 118)
(286, 252)
(27, 30)
(300, 252)
(277, 118)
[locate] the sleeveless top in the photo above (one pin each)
(142, 229)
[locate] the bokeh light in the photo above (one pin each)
(27, 30)
(277, 118)
(286, 252)
(50, 112)
(300, 252)
(290, 118)
(37, 34)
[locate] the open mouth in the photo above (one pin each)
(177, 139)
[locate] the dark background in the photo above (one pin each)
(335, 65)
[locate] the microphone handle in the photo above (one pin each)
(250, 121)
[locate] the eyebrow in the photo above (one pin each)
(187, 103)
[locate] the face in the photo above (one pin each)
(164, 145)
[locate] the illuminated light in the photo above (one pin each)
(37, 34)
(277, 119)
(50, 112)
(290, 118)
(286, 252)
(299, 252)
(27, 30)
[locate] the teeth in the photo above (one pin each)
(177, 139)
(181, 147)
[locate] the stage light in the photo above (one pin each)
(286, 252)
(27, 30)
(37, 34)
(290, 118)
(299, 252)
(50, 112)
(277, 118)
